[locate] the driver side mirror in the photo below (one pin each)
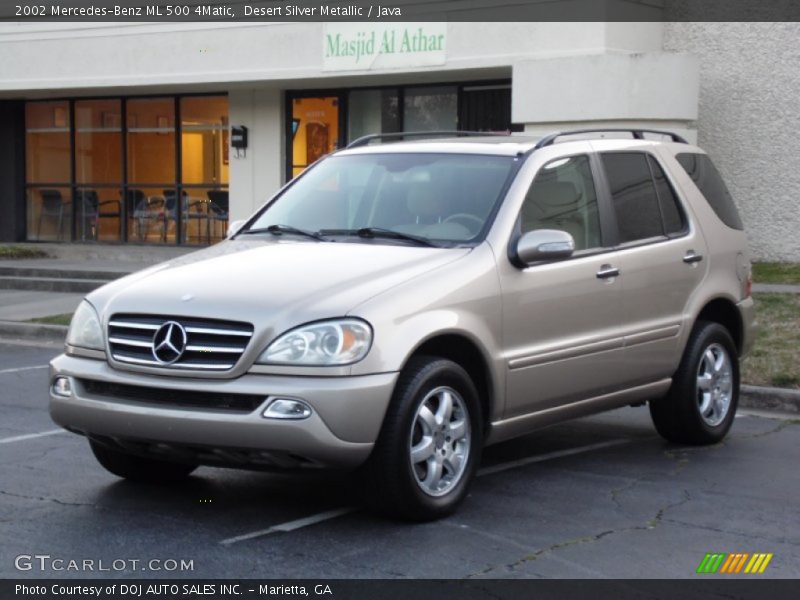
(234, 227)
(544, 244)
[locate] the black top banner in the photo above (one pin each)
(400, 10)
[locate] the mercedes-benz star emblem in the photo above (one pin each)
(169, 343)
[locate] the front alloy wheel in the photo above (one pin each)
(430, 443)
(440, 441)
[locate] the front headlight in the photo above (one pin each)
(84, 329)
(326, 343)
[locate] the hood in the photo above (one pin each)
(272, 283)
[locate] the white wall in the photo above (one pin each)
(651, 86)
(749, 119)
(42, 57)
(257, 175)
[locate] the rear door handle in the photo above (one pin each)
(607, 272)
(692, 257)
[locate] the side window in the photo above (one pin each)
(563, 196)
(633, 195)
(706, 177)
(674, 220)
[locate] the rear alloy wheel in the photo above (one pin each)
(714, 385)
(138, 468)
(701, 403)
(430, 443)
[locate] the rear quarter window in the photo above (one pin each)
(708, 180)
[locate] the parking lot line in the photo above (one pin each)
(550, 456)
(31, 436)
(338, 512)
(291, 525)
(19, 369)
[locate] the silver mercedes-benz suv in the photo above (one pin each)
(399, 306)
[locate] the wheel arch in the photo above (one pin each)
(469, 355)
(723, 310)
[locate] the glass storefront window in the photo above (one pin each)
(205, 214)
(98, 141)
(47, 147)
(98, 213)
(98, 170)
(430, 108)
(151, 214)
(151, 160)
(47, 171)
(372, 111)
(49, 212)
(204, 140)
(151, 140)
(102, 198)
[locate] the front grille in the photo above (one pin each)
(211, 344)
(243, 403)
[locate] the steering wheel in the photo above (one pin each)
(465, 217)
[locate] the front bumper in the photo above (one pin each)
(341, 431)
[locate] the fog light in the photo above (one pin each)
(62, 387)
(285, 408)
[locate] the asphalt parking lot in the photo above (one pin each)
(600, 497)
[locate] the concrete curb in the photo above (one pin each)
(33, 331)
(770, 398)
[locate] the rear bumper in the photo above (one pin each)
(749, 325)
(341, 431)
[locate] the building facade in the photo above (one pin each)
(135, 132)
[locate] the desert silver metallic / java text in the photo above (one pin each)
(440, 440)
(714, 385)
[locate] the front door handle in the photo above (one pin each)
(607, 272)
(692, 257)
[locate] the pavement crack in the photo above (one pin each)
(511, 567)
(617, 492)
(46, 499)
(777, 429)
(681, 458)
(748, 536)
(657, 519)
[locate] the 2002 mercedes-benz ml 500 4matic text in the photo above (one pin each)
(403, 304)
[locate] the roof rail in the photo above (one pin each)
(366, 139)
(638, 134)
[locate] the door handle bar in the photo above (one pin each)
(692, 257)
(607, 272)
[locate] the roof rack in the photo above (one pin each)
(366, 139)
(638, 134)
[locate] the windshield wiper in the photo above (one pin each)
(279, 229)
(379, 232)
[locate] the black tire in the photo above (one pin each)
(677, 417)
(138, 468)
(392, 482)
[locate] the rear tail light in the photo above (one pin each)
(748, 286)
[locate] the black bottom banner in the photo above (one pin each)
(433, 589)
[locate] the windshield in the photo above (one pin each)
(443, 198)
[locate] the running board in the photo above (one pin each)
(516, 426)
